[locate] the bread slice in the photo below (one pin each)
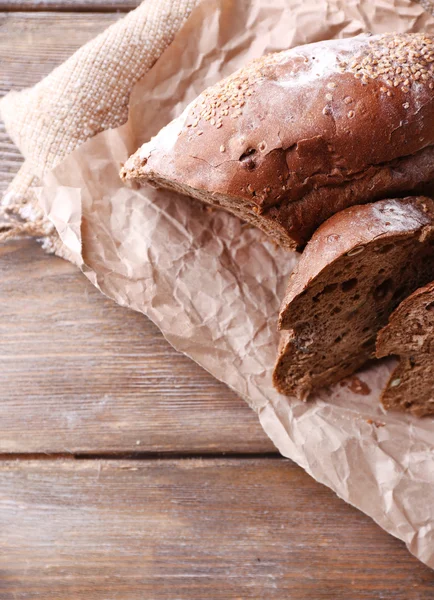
(296, 136)
(410, 335)
(358, 266)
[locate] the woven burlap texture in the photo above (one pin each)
(87, 94)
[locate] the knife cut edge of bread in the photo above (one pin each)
(358, 266)
(409, 335)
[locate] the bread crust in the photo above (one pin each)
(352, 274)
(346, 233)
(296, 136)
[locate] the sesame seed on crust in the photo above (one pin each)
(400, 60)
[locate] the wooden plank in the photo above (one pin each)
(81, 374)
(191, 529)
(10, 159)
(69, 5)
(31, 46)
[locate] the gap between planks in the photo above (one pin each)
(142, 456)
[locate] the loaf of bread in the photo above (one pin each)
(296, 136)
(410, 335)
(358, 266)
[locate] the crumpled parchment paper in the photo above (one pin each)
(213, 285)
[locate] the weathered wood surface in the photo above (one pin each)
(10, 158)
(68, 5)
(191, 529)
(32, 44)
(81, 374)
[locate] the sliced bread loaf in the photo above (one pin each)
(410, 335)
(358, 266)
(296, 136)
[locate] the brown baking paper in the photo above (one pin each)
(213, 285)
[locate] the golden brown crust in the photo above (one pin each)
(279, 135)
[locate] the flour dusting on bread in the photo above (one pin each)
(296, 136)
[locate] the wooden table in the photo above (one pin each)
(127, 472)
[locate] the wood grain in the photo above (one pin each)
(31, 46)
(10, 158)
(81, 374)
(68, 5)
(191, 529)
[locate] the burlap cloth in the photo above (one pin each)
(82, 97)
